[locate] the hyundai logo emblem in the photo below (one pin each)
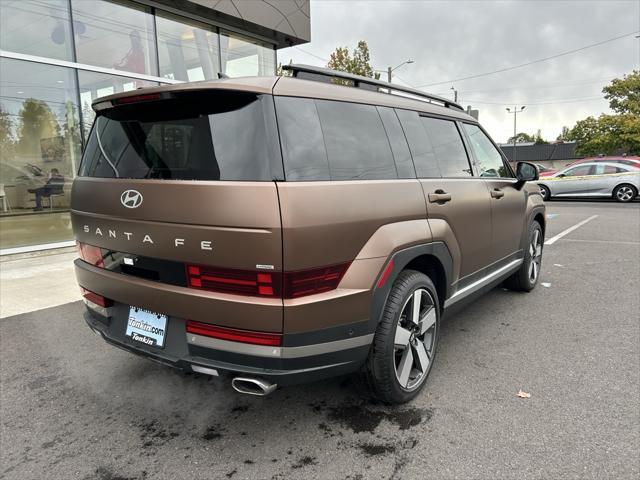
(131, 198)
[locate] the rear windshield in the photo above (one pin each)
(211, 136)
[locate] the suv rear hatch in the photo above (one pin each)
(177, 190)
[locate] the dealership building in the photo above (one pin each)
(57, 56)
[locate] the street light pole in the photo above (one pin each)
(515, 113)
(390, 70)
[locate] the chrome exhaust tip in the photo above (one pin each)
(253, 386)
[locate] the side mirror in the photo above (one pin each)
(526, 172)
(560, 175)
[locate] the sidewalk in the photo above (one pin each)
(37, 280)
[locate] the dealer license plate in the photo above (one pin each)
(146, 327)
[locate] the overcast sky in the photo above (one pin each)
(454, 39)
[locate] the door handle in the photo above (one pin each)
(497, 193)
(439, 196)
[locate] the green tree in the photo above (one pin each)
(6, 135)
(609, 134)
(563, 135)
(358, 62)
(36, 121)
(522, 137)
(624, 94)
(606, 135)
(538, 140)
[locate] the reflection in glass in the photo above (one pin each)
(115, 36)
(187, 52)
(93, 85)
(242, 57)
(39, 151)
(36, 28)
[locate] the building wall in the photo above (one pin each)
(57, 56)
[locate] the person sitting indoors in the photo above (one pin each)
(54, 186)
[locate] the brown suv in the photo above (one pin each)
(285, 229)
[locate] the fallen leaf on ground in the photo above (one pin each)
(558, 265)
(522, 394)
(545, 284)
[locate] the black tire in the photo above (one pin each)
(625, 193)
(544, 191)
(380, 369)
(522, 281)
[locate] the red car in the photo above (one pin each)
(630, 161)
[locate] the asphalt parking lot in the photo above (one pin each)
(74, 407)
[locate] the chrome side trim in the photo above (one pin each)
(279, 352)
(469, 289)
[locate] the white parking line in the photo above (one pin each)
(553, 240)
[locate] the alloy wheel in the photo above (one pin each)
(415, 337)
(624, 193)
(535, 256)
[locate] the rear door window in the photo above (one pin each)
(448, 147)
(217, 136)
(424, 157)
(329, 140)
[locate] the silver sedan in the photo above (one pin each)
(593, 179)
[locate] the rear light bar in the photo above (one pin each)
(266, 284)
(90, 254)
(147, 97)
(234, 335)
(96, 298)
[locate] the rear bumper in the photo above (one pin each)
(282, 365)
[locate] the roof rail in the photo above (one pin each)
(319, 74)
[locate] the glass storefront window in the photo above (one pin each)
(115, 36)
(93, 85)
(39, 151)
(187, 51)
(242, 57)
(36, 28)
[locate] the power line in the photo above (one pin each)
(506, 69)
(312, 54)
(550, 102)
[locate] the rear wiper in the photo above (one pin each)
(104, 154)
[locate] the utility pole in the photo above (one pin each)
(390, 69)
(455, 94)
(515, 113)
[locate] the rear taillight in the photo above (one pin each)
(96, 298)
(227, 280)
(91, 254)
(315, 280)
(234, 335)
(266, 284)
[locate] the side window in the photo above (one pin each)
(606, 169)
(303, 150)
(356, 142)
(398, 143)
(448, 147)
(488, 158)
(579, 171)
(424, 157)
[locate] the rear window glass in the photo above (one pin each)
(328, 140)
(357, 145)
(216, 136)
(424, 156)
(448, 147)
